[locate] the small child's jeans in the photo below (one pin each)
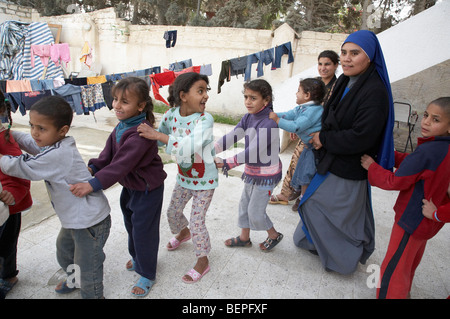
(81, 250)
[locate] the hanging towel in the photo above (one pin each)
(86, 54)
(18, 86)
(96, 79)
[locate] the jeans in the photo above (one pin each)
(170, 36)
(305, 169)
(82, 250)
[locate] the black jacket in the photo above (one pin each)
(353, 126)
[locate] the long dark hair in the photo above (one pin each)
(5, 108)
(140, 88)
(183, 83)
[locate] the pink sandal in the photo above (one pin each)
(175, 243)
(195, 275)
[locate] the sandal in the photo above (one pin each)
(144, 284)
(175, 243)
(195, 275)
(237, 242)
(132, 265)
(269, 243)
(64, 289)
(275, 200)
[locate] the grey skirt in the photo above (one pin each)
(339, 224)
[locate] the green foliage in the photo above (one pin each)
(315, 15)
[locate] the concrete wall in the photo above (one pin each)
(119, 46)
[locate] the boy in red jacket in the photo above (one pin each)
(422, 174)
(16, 194)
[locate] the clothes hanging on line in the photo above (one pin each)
(37, 85)
(60, 53)
(38, 34)
(86, 54)
(179, 66)
(72, 94)
(92, 98)
(243, 65)
(12, 42)
(166, 78)
(171, 38)
(224, 74)
(238, 65)
(96, 79)
(281, 50)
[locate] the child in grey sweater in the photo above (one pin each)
(53, 157)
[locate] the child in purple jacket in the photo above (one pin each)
(133, 162)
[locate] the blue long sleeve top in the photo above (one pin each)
(303, 120)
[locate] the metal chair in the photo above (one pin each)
(404, 113)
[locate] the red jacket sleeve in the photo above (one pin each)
(443, 213)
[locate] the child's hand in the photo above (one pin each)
(428, 208)
(146, 131)
(273, 116)
(7, 197)
(81, 189)
(91, 171)
(219, 162)
(315, 140)
(366, 161)
(293, 136)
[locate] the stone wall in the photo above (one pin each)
(10, 11)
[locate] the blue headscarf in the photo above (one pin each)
(368, 41)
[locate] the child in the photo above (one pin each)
(304, 120)
(134, 163)
(263, 167)
(53, 157)
(16, 197)
(421, 174)
(186, 129)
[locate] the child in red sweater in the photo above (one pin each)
(423, 174)
(15, 194)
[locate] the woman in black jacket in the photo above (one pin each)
(336, 215)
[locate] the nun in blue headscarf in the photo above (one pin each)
(336, 214)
